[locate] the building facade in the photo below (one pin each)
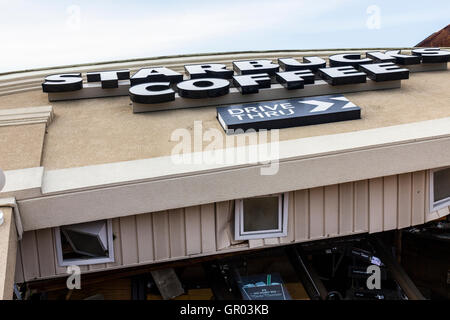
(93, 167)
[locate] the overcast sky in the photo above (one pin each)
(49, 33)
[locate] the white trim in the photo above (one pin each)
(80, 262)
(21, 116)
(240, 234)
(436, 205)
(23, 183)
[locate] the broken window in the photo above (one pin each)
(85, 243)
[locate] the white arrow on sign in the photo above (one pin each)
(320, 105)
(348, 105)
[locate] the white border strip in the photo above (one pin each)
(21, 116)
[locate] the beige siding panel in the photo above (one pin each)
(84, 268)
(128, 240)
(208, 227)
(316, 213)
(375, 205)
(144, 229)
(223, 220)
(290, 225)
(193, 230)
(361, 212)
(116, 244)
(161, 235)
(390, 202)
(98, 266)
(18, 274)
(177, 233)
(418, 201)
(331, 194)
(271, 241)
(30, 258)
(255, 243)
(346, 208)
(46, 255)
(301, 217)
(404, 200)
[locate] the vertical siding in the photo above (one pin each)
(301, 216)
(418, 202)
(361, 202)
(208, 227)
(46, 256)
(316, 215)
(373, 205)
(128, 240)
(161, 235)
(390, 203)
(346, 208)
(404, 200)
(30, 257)
(193, 230)
(144, 230)
(376, 205)
(177, 233)
(331, 210)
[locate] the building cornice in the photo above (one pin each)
(22, 116)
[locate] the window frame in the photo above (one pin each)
(80, 262)
(437, 205)
(281, 231)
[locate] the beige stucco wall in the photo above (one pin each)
(24, 144)
(95, 131)
(373, 205)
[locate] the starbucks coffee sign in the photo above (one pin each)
(212, 84)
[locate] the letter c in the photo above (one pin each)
(154, 92)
